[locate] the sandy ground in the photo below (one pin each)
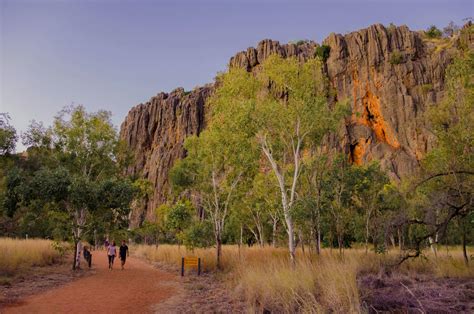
(200, 294)
(137, 289)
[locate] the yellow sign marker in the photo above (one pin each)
(190, 261)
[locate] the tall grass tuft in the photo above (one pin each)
(17, 254)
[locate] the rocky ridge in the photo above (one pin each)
(390, 75)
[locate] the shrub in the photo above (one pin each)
(299, 42)
(198, 235)
(425, 88)
(396, 57)
(322, 52)
(433, 32)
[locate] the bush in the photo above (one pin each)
(396, 57)
(180, 176)
(426, 88)
(299, 42)
(322, 52)
(198, 235)
(433, 32)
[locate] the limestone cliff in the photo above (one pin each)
(389, 74)
(155, 133)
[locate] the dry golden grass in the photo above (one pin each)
(266, 279)
(445, 264)
(20, 254)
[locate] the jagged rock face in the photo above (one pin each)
(254, 56)
(389, 75)
(155, 133)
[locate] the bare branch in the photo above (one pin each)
(442, 174)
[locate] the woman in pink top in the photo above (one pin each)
(111, 252)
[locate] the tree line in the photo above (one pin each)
(261, 173)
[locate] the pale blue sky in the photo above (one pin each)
(113, 54)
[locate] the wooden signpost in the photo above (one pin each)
(191, 262)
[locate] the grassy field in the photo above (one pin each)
(18, 254)
(265, 278)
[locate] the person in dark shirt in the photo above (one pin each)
(123, 253)
(87, 256)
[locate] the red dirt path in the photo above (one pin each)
(134, 290)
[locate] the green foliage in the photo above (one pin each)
(299, 42)
(37, 136)
(149, 232)
(426, 88)
(433, 32)
(143, 188)
(452, 120)
(8, 136)
(198, 235)
(181, 175)
(258, 168)
(466, 32)
(12, 195)
(179, 216)
(87, 141)
(396, 57)
(70, 180)
(322, 52)
(59, 247)
(444, 192)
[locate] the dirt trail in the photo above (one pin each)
(134, 290)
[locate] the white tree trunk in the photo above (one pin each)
(367, 233)
(80, 220)
(433, 243)
(286, 203)
(78, 254)
(274, 231)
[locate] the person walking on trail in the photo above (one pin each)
(111, 252)
(87, 256)
(123, 253)
(106, 244)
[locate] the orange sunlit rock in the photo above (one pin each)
(373, 118)
(358, 151)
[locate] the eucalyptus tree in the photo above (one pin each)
(219, 161)
(81, 177)
(290, 113)
(369, 186)
(263, 204)
(339, 188)
(261, 120)
(8, 136)
(313, 193)
(448, 169)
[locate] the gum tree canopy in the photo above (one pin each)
(79, 173)
(264, 121)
